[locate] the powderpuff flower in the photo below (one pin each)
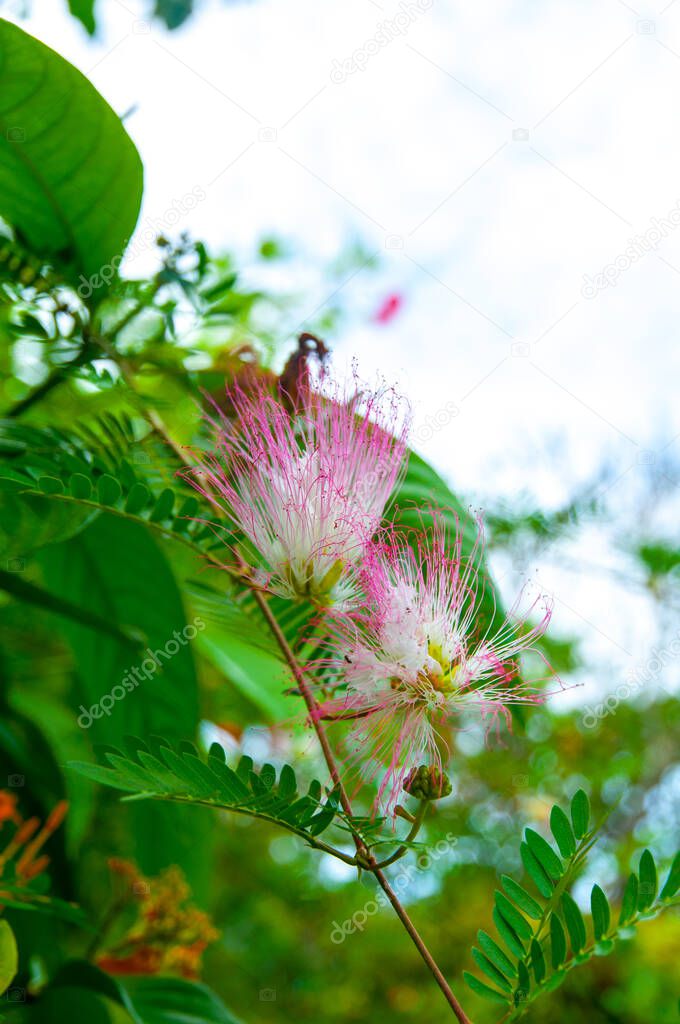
(413, 657)
(307, 486)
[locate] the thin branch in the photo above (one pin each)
(370, 862)
(415, 829)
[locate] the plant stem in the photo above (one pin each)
(370, 862)
(415, 829)
(422, 948)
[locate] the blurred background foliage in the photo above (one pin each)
(88, 576)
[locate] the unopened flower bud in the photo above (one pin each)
(427, 783)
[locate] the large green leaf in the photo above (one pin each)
(9, 956)
(116, 569)
(173, 1001)
(70, 177)
(147, 1000)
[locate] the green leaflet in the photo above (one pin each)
(161, 771)
(513, 917)
(537, 961)
(630, 899)
(481, 989)
(536, 871)
(672, 883)
(574, 921)
(544, 853)
(648, 881)
(599, 908)
(491, 970)
(521, 897)
(561, 830)
(496, 954)
(558, 942)
(508, 934)
(580, 813)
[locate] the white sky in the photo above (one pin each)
(510, 148)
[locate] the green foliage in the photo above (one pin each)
(158, 771)
(536, 957)
(86, 474)
(83, 10)
(82, 994)
(173, 12)
(70, 178)
(9, 956)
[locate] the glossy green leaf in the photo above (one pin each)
(630, 900)
(496, 954)
(580, 813)
(599, 908)
(9, 956)
(481, 989)
(672, 883)
(491, 970)
(137, 499)
(574, 922)
(508, 934)
(558, 942)
(523, 985)
(517, 922)
(544, 853)
(159, 1000)
(80, 486)
(14, 583)
(561, 830)
(108, 489)
(70, 177)
(536, 872)
(50, 485)
(521, 897)
(100, 569)
(537, 961)
(648, 881)
(164, 504)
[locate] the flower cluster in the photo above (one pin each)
(21, 856)
(307, 486)
(413, 657)
(307, 481)
(167, 935)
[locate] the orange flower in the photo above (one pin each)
(8, 806)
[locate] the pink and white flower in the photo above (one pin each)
(307, 488)
(413, 656)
